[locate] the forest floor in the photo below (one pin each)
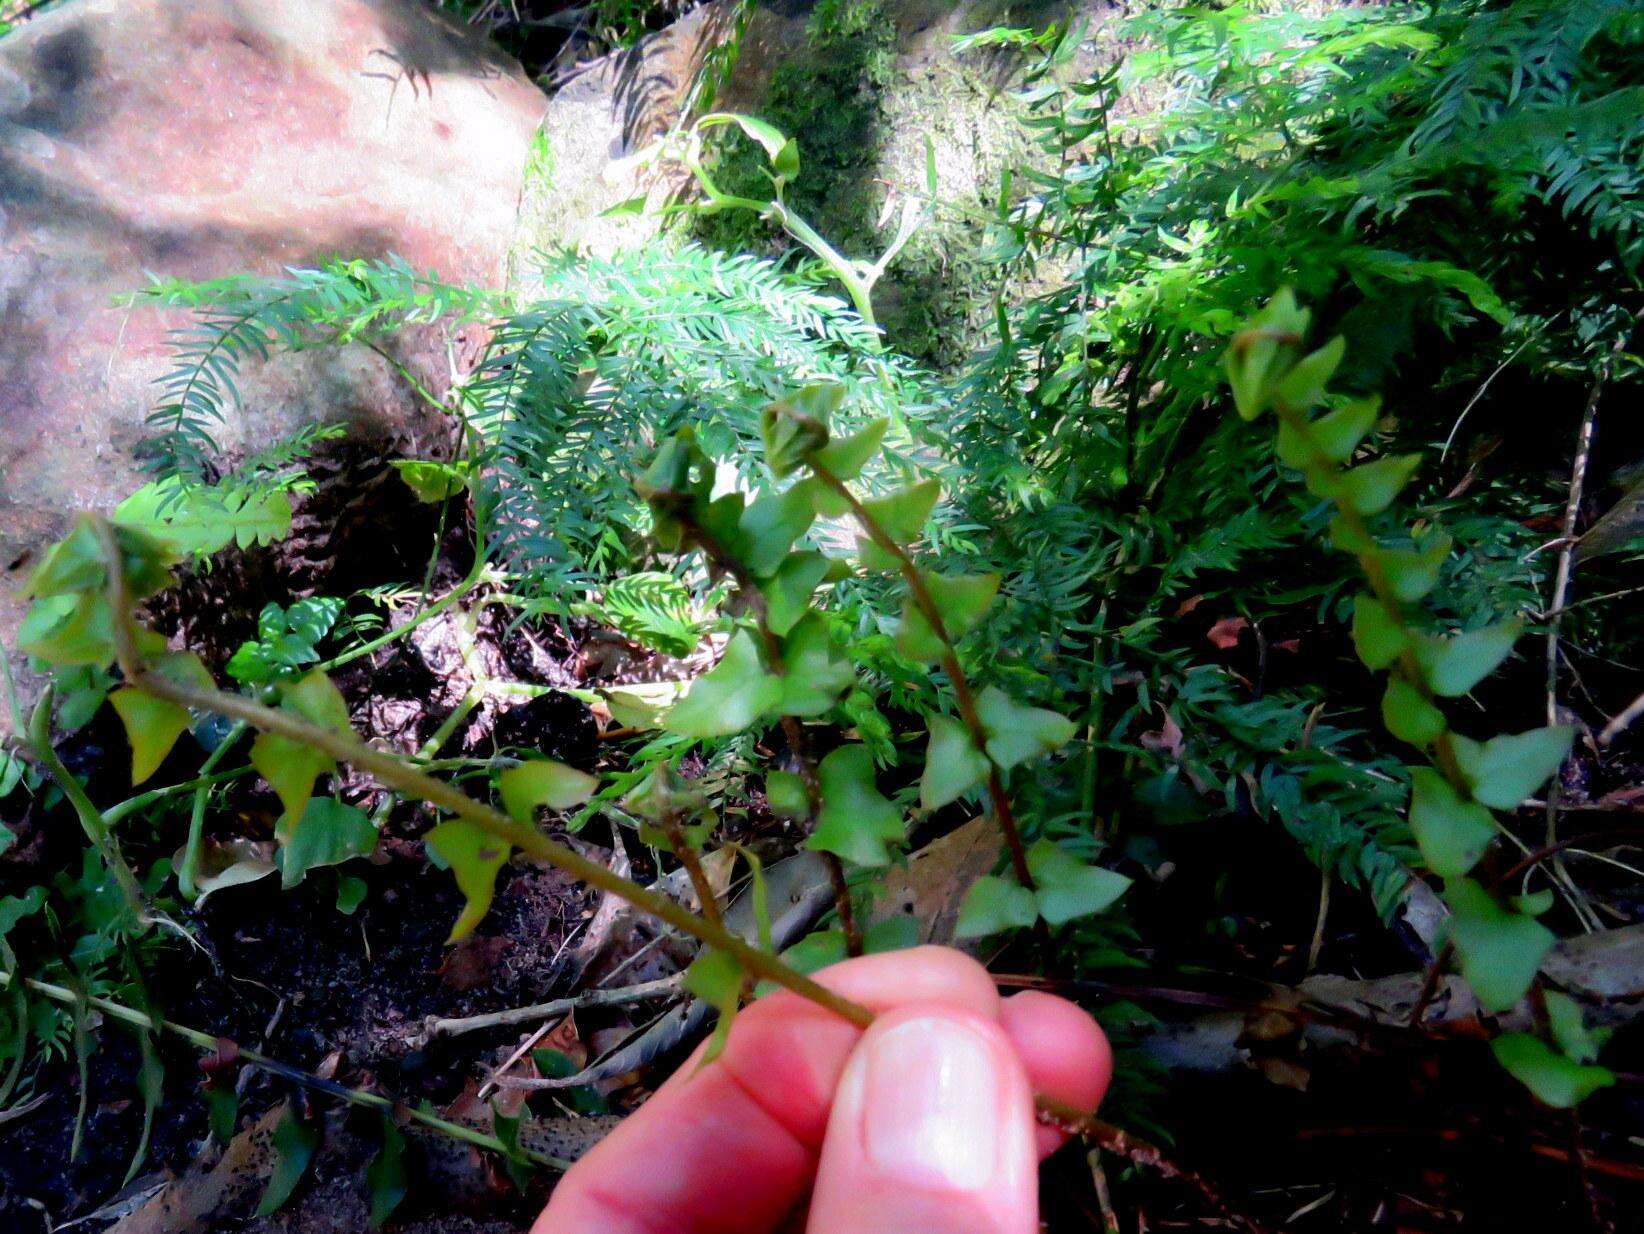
(1390, 1129)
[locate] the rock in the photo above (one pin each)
(201, 138)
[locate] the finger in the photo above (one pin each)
(932, 1130)
(730, 1147)
(878, 982)
(1066, 1054)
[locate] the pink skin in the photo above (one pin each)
(923, 1122)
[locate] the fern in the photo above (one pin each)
(607, 358)
(247, 318)
(649, 607)
(620, 352)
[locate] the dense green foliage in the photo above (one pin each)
(1148, 629)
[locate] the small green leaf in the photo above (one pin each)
(432, 481)
(1451, 832)
(350, 894)
(80, 693)
(815, 951)
(717, 979)
(627, 208)
(312, 619)
(1267, 345)
(770, 138)
(1499, 950)
(271, 623)
(295, 1143)
(69, 629)
(1453, 666)
(1370, 487)
(1570, 1029)
(152, 728)
(386, 1176)
(1068, 888)
(1412, 573)
(222, 1110)
(759, 893)
(15, 908)
(892, 934)
(515, 1163)
(994, 905)
(318, 701)
(329, 833)
(1560, 1082)
(856, 820)
(796, 427)
(961, 600)
(1535, 904)
(730, 697)
(252, 664)
(1302, 388)
(953, 764)
(1338, 433)
(815, 674)
(290, 767)
(1409, 716)
(785, 163)
(786, 794)
(822, 499)
(474, 857)
(1349, 535)
(788, 592)
(1016, 732)
(771, 523)
(902, 516)
(544, 782)
(73, 564)
(1377, 638)
(1505, 770)
(680, 474)
(846, 456)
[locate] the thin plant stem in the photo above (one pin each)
(963, 695)
(188, 872)
(720, 557)
(692, 861)
(91, 818)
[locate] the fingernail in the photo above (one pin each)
(932, 1104)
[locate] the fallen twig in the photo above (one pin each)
(621, 996)
(1622, 721)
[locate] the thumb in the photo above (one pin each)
(931, 1130)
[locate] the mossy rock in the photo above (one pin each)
(861, 84)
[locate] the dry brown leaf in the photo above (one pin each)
(932, 884)
(213, 1187)
(1167, 737)
(1225, 633)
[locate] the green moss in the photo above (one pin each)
(860, 119)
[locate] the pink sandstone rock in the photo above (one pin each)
(200, 138)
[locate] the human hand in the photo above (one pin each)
(921, 1124)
